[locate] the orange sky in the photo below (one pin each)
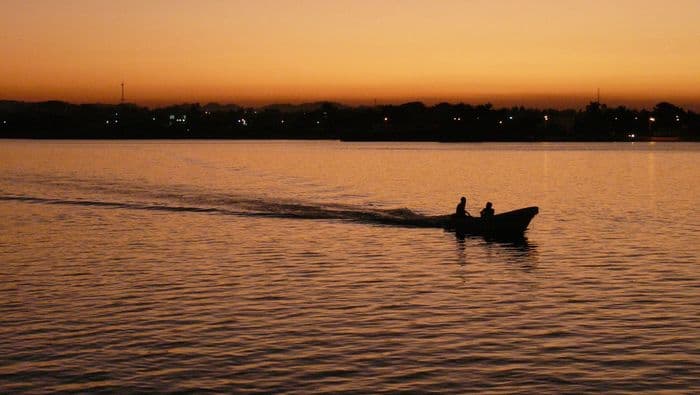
(548, 53)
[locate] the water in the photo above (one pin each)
(283, 267)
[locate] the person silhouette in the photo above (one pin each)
(488, 211)
(461, 210)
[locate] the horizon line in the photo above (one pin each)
(372, 103)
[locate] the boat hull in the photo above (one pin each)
(508, 224)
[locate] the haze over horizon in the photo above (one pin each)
(545, 53)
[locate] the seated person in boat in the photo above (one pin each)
(488, 211)
(461, 210)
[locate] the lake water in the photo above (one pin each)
(239, 266)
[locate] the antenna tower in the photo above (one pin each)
(122, 92)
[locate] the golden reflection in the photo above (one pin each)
(257, 300)
(651, 178)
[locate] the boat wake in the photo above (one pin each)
(251, 207)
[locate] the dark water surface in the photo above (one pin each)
(279, 267)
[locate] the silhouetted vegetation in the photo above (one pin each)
(406, 122)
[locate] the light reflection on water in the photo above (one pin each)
(156, 279)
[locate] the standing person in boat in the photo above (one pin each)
(461, 210)
(488, 211)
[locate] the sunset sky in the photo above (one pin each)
(544, 53)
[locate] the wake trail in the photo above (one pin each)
(262, 208)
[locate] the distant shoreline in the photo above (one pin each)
(668, 141)
(413, 121)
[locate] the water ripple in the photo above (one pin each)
(127, 276)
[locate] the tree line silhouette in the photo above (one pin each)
(412, 121)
